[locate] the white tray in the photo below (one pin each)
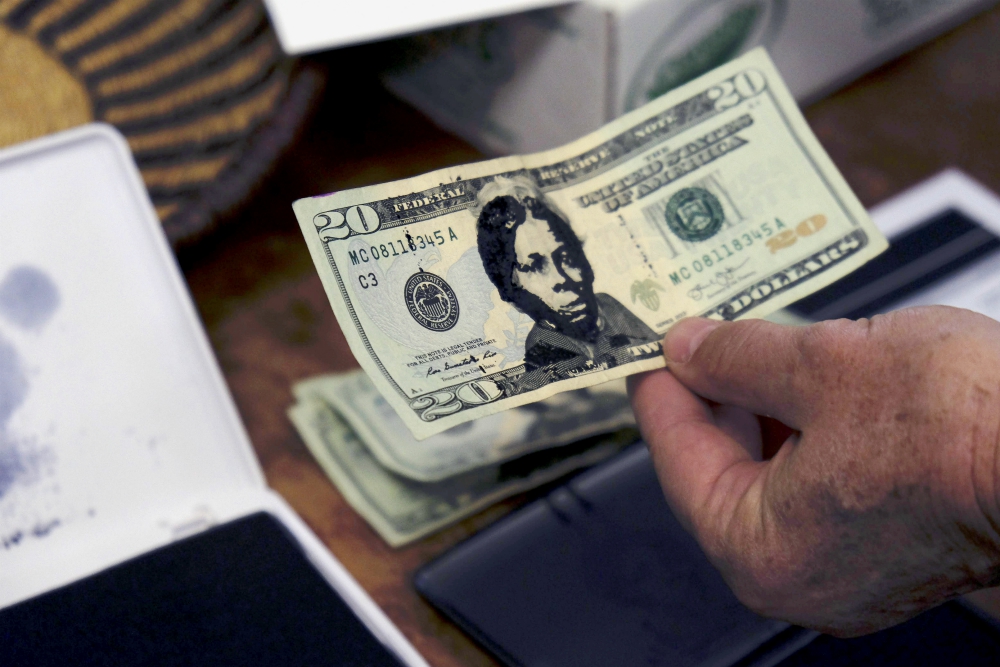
(117, 432)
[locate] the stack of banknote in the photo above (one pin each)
(407, 488)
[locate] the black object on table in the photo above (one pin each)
(600, 573)
(597, 573)
(242, 593)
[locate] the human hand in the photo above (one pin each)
(886, 500)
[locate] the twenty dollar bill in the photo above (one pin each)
(482, 287)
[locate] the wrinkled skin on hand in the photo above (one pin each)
(886, 500)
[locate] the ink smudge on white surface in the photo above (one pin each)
(28, 299)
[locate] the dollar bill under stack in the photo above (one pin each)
(407, 489)
(489, 286)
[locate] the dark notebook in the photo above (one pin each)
(243, 593)
(599, 573)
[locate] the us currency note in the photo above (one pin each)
(402, 510)
(555, 421)
(487, 286)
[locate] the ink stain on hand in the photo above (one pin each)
(28, 297)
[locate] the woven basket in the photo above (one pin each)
(199, 88)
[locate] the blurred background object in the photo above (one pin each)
(200, 88)
(208, 101)
(537, 80)
(306, 25)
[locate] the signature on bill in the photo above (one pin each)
(722, 281)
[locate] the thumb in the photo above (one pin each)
(752, 364)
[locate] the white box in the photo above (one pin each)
(537, 80)
(117, 432)
(311, 25)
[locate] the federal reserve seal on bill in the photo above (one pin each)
(431, 301)
(526, 276)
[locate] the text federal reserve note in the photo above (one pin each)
(486, 286)
(557, 420)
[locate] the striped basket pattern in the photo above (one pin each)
(199, 88)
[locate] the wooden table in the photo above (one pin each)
(270, 323)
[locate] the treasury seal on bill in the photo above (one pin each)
(694, 214)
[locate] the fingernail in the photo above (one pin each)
(684, 338)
